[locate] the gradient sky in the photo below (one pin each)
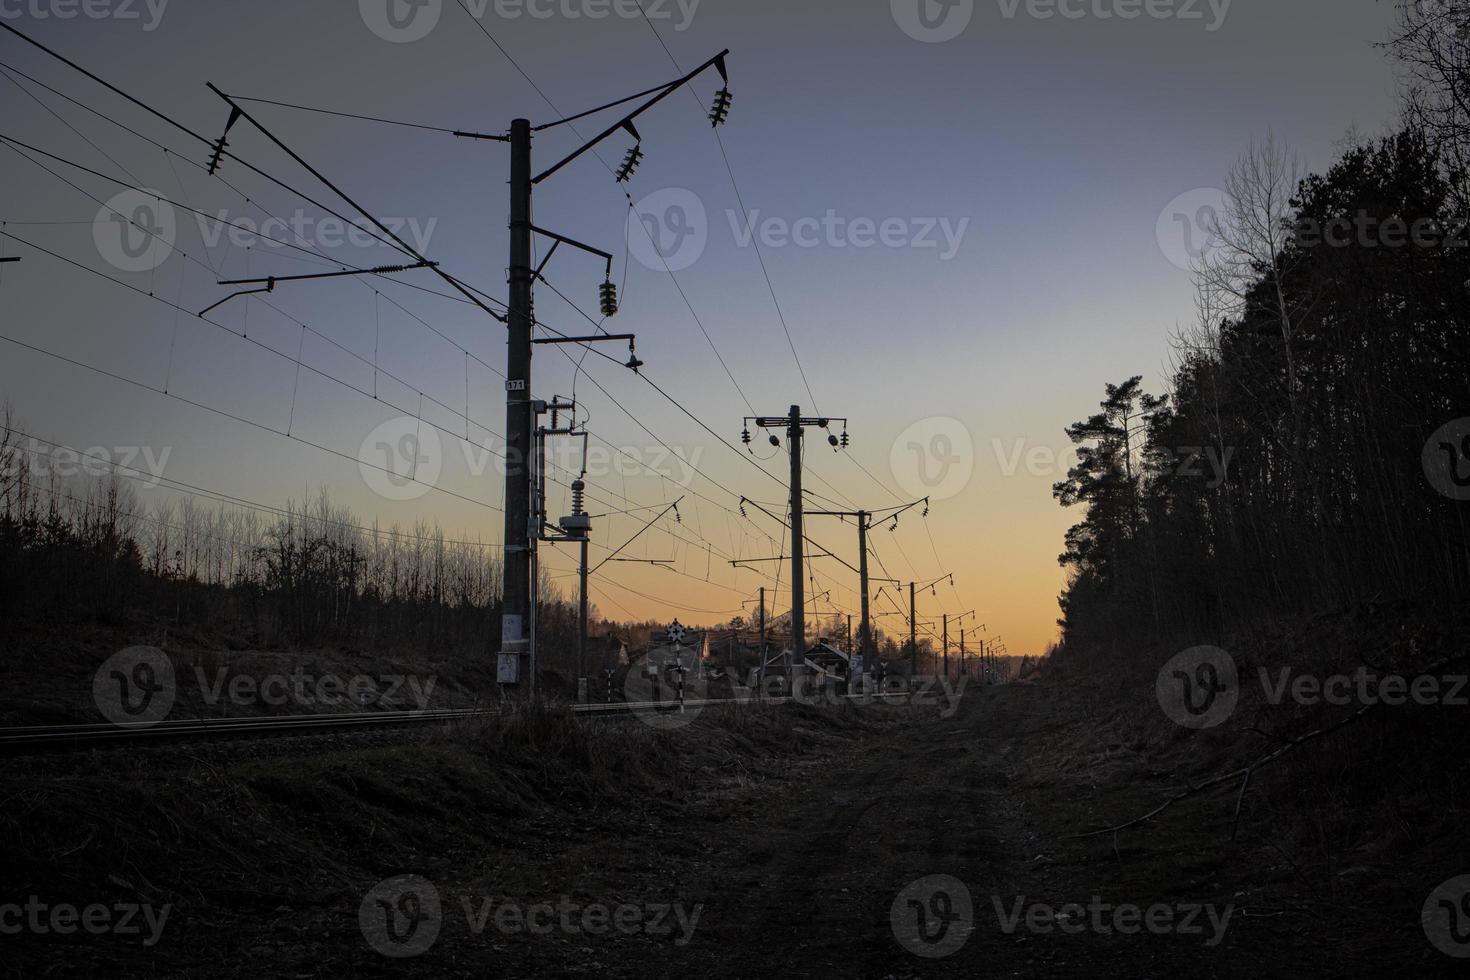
(1056, 144)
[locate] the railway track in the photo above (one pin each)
(59, 738)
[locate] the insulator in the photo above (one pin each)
(630, 164)
(742, 511)
(721, 109)
(608, 294)
(775, 442)
(578, 489)
(832, 441)
(745, 435)
(678, 518)
(844, 438)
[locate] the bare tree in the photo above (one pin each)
(1433, 50)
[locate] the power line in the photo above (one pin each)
(239, 418)
(347, 115)
(739, 199)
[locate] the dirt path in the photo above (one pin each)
(804, 888)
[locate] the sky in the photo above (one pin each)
(971, 220)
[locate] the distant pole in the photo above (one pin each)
(913, 638)
(762, 674)
(798, 552)
(962, 651)
(865, 638)
(582, 616)
(946, 644)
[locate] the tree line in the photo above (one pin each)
(1311, 446)
(302, 574)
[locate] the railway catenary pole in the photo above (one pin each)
(913, 638)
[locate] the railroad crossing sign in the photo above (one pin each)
(676, 633)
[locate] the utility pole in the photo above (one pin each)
(522, 526)
(795, 426)
(962, 651)
(913, 639)
(762, 678)
(582, 616)
(946, 645)
(519, 537)
(865, 627)
(798, 551)
(866, 521)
